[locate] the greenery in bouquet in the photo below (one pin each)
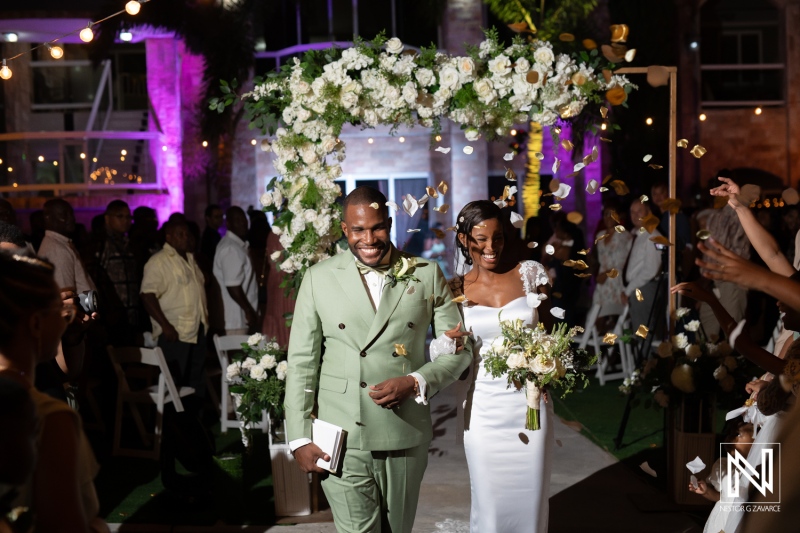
(689, 365)
(530, 357)
(258, 376)
(304, 105)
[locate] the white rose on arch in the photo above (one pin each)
(425, 77)
(500, 65)
(466, 67)
(448, 78)
(266, 199)
(394, 45)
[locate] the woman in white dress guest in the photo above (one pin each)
(612, 253)
(509, 466)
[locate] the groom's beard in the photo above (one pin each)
(383, 256)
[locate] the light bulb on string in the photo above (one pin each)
(133, 7)
(5, 72)
(56, 52)
(86, 33)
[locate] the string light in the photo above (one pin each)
(370, 140)
(55, 163)
(205, 144)
(83, 156)
(758, 111)
(649, 121)
(603, 126)
(124, 152)
(56, 52)
(125, 36)
(41, 159)
(164, 148)
(402, 139)
(10, 169)
(438, 138)
(253, 142)
(86, 33)
(5, 72)
(702, 117)
(513, 133)
(133, 7)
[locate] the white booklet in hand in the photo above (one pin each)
(330, 439)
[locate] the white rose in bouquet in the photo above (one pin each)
(310, 215)
(522, 66)
(267, 362)
(680, 341)
(516, 360)
(394, 45)
(258, 373)
(232, 372)
(281, 370)
(693, 325)
(277, 197)
(248, 363)
(499, 345)
(287, 266)
(500, 65)
(693, 351)
(542, 365)
(544, 56)
(255, 339)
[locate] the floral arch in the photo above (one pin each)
(305, 105)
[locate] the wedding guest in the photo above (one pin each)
(279, 305)
(59, 249)
(659, 193)
(143, 234)
(174, 297)
(211, 237)
(36, 220)
(612, 251)
(33, 319)
(641, 269)
(234, 272)
(17, 447)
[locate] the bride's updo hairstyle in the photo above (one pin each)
(470, 216)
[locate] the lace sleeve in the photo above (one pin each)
(533, 275)
(443, 345)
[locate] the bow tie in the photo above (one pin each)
(378, 269)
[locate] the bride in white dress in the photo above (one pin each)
(509, 466)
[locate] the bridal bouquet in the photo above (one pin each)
(257, 379)
(538, 359)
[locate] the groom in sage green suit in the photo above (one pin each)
(372, 379)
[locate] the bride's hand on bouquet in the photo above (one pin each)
(457, 335)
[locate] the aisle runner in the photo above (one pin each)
(452, 526)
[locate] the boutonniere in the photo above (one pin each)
(402, 271)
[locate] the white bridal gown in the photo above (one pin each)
(509, 466)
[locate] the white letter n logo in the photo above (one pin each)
(738, 464)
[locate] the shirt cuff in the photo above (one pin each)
(298, 443)
(422, 398)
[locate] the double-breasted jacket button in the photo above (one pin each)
(363, 384)
(363, 353)
(341, 326)
(394, 354)
(411, 324)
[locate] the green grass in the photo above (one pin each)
(599, 410)
(131, 490)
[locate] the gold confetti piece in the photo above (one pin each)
(643, 229)
(654, 166)
(673, 205)
(619, 33)
(442, 187)
(603, 189)
(557, 129)
(438, 233)
(639, 296)
(647, 158)
(605, 140)
(459, 299)
(603, 111)
(412, 289)
(683, 143)
(643, 198)
(660, 239)
(642, 331)
(601, 237)
(567, 145)
(400, 349)
(630, 54)
(610, 54)
(585, 251)
(574, 217)
(587, 159)
(698, 151)
(589, 44)
(619, 228)
(442, 208)
(650, 222)
(152, 494)
(532, 77)
(520, 27)
(412, 230)
(511, 175)
(432, 192)
(582, 275)
(619, 187)
(566, 37)
(555, 207)
(616, 96)
(452, 228)
(479, 226)
(703, 234)
(123, 514)
(615, 217)
(468, 150)
(610, 338)
(580, 264)
(569, 263)
(607, 178)
(374, 205)
(613, 273)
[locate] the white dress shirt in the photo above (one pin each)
(233, 268)
(643, 263)
(69, 272)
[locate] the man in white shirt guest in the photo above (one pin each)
(234, 272)
(643, 265)
(58, 248)
(174, 296)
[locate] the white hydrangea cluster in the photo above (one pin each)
(485, 94)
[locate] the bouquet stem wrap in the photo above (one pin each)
(533, 394)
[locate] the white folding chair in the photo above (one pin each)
(223, 345)
(162, 393)
(625, 353)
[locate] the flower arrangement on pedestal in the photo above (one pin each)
(380, 82)
(688, 365)
(257, 381)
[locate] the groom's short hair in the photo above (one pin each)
(364, 196)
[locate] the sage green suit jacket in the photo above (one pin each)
(334, 310)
